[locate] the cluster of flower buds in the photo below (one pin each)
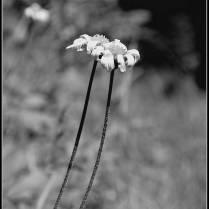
(111, 55)
(37, 13)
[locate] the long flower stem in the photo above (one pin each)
(78, 135)
(101, 143)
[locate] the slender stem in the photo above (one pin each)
(78, 135)
(101, 143)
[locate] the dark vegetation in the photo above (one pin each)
(178, 36)
(154, 156)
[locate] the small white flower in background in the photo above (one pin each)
(37, 13)
(110, 54)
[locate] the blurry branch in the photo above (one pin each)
(45, 193)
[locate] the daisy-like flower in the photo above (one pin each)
(37, 13)
(110, 54)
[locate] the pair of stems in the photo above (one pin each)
(82, 205)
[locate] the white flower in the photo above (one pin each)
(37, 13)
(122, 57)
(107, 60)
(121, 63)
(111, 55)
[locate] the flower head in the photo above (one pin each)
(37, 13)
(110, 54)
(88, 42)
(123, 57)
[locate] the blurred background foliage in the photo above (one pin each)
(154, 156)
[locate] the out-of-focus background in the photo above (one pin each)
(154, 155)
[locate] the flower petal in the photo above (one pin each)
(100, 38)
(129, 60)
(121, 63)
(107, 60)
(85, 36)
(134, 53)
(119, 44)
(96, 52)
(90, 46)
(116, 47)
(78, 44)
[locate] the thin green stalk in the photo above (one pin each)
(78, 136)
(101, 143)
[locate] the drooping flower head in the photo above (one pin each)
(122, 57)
(117, 50)
(111, 55)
